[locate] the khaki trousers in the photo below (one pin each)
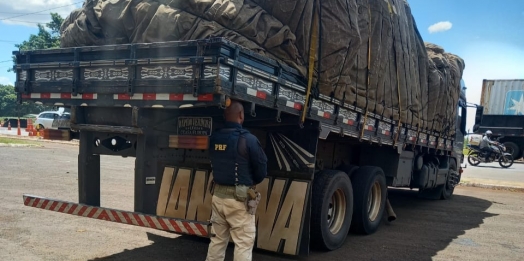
(230, 218)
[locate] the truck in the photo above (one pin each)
(328, 173)
(501, 110)
(343, 108)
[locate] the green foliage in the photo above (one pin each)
(48, 36)
(10, 107)
(5, 140)
(45, 39)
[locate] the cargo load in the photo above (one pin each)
(369, 53)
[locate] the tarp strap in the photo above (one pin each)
(369, 56)
(312, 53)
(367, 72)
(398, 91)
(364, 124)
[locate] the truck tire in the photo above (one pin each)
(348, 169)
(444, 191)
(513, 149)
(369, 186)
(332, 209)
(447, 188)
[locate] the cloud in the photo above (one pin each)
(10, 9)
(440, 27)
(5, 81)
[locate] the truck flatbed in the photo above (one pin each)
(197, 73)
(160, 102)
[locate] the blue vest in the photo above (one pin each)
(229, 157)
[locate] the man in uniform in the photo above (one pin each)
(239, 162)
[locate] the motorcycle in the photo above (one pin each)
(477, 156)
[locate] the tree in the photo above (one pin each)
(46, 38)
(9, 106)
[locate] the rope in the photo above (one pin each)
(312, 52)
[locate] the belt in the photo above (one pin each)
(223, 191)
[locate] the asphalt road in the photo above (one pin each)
(13, 131)
(477, 224)
(492, 173)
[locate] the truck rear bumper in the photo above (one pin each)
(179, 226)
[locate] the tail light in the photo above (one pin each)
(189, 142)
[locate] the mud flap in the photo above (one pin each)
(282, 217)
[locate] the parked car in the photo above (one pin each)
(62, 121)
(45, 119)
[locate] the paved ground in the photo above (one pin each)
(13, 131)
(478, 224)
(494, 174)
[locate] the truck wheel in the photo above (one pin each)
(443, 191)
(512, 149)
(521, 154)
(332, 208)
(449, 188)
(348, 169)
(369, 186)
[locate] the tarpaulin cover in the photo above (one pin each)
(370, 53)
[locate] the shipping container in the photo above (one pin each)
(503, 97)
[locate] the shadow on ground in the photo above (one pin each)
(422, 229)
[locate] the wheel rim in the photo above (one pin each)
(336, 211)
(449, 184)
(505, 161)
(374, 201)
(473, 159)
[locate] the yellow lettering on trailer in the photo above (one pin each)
(267, 210)
(165, 188)
(272, 229)
(279, 215)
(199, 207)
(176, 206)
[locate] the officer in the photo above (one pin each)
(485, 145)
(239, 162)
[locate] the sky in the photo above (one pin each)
(488, 35)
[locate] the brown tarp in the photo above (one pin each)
(370, 52)
(444, 85)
